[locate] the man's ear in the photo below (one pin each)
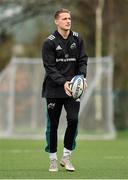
(55, 22)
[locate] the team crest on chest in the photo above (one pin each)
(73, 45)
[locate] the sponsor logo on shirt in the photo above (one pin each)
(58, 48)
(66, 60)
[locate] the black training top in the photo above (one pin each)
(62, 59)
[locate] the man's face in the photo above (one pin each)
(63, 21)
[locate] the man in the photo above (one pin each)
(63, 57)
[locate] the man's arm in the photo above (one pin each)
(48, 56)
(82, 59)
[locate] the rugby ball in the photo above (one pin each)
(77, 86)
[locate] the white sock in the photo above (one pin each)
(52, 156)
(66, 152)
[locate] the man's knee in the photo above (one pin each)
(72, 122)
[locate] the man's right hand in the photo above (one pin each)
(67, 88)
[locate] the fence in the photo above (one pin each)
(22, 110)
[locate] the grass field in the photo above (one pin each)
(26, 159)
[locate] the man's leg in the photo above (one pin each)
(72, 109)
(54, 107)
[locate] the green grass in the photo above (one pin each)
(26, 159)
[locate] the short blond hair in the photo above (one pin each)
(58, 12)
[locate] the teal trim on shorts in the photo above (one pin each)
(74, 141)
(47, 148)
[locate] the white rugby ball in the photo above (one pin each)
(77, 86)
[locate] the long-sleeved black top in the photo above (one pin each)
(62, 59)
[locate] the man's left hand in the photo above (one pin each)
(85, 84)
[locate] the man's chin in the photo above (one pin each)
(66, 29)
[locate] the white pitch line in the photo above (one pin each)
(18, 151)
(116, 157)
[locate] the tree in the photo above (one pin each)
(6, 42)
